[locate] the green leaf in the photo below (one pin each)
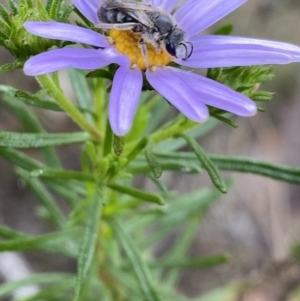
(81, 90)
(20, 159)
(38, 278)
(137, 193)
(62, 242)
(54, 9)
(187, 263)
(102, 73)
(207, 163)
(61, 174)
(35, 101)
(31, 124)
(64, 17)
(31, 100)
(226, 29)
(6, 232)
(88, 245)
(153, 163)
(224, 119)
(173, 144)
(245, 165)
(13, 7)
(181, 210)
(139, 266)
(56, 216)
(48, 6)
(11, 66)
(4, 14)
(139, 166)
(20, 140)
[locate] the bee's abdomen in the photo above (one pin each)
(113, 16)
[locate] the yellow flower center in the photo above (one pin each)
(126, 42)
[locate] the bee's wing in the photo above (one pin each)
(141, 17)
(126, 5)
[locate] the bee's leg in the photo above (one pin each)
(120, 26)
(157, 47)
(143, 47)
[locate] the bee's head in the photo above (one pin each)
(177, 46)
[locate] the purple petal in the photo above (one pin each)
(225, 51)
(176, 90)
(166, 5)
(124, 99)
(57, 59)
(66, 32)
(112, 56)
(217, 95)
(197, 15)
(88, 8)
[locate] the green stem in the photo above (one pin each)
(47, 83)
(173, 129)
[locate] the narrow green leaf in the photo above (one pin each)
(55, 292)
(11, 66)
(207, 163)
(226, 29)
(160, 184)
(139, 266)
(20, 140)
(183, 209)
(88, 245)
(180, 249)
(245, 165)
(4, 14)
(153, 163)
(31, 99)
(54, 9)
(102, 73)
(138, 148)
(137, 193)
(173, 144)
(81, 90)
(61, 174)
(139, 166)
(6, 232)
(108, 141)
(48, 6)
(29, 3)
(225, 120)
(187, 263)
(13, 7)
(38, 278)
(35, 101)
(56, 216)
(64, 17)
(20, 159)
(62, 242)
(31, 124)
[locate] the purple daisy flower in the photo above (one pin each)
(190, 93)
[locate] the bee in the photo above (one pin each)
(155, 26)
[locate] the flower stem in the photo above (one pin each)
(48, 84)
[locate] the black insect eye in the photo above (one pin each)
(170, 48)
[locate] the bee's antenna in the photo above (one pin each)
(187, 56)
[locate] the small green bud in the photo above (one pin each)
(15, 38)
